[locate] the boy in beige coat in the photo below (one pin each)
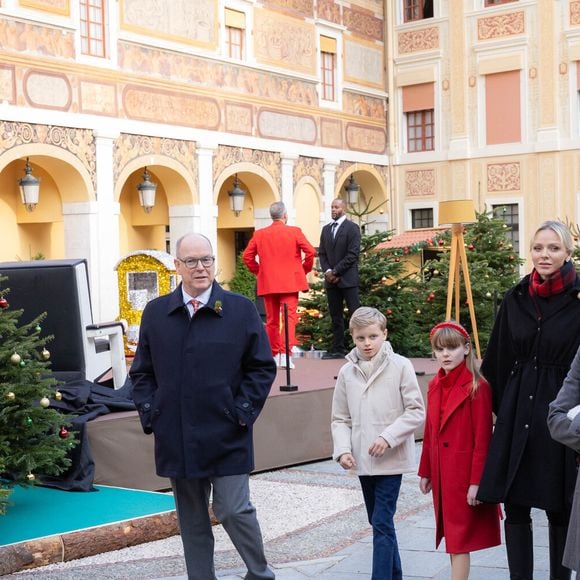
(377, 406)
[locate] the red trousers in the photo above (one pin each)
(274, 305)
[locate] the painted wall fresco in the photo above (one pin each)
(331, 133)
(418, 40)
(575, 13)
(420, 182)
(363, 23)
(276, 125)
(209, 74)
(363, 106)
(98, 98)
(308, 167)
(501, 25)
(172, 107)
(302, 8)
(503, 177)
(47, 90)
(284, 42)
(7, 84)
(363, 63)
(24, 37)
(179, 20)
(367, 139)
(79, 142)
(329, 10)
(54, 6)
(129, 147)
(226, 156)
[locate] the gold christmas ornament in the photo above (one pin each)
(10, 396)
(58, 396)
(45, 354)
(15, 359)
(31, 477)
(44, 402)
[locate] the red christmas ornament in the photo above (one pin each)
(467, 303)
(63, 433)
(405, 250)
(389, 312)
(441, 242)
(470, 247)
(3, 303)
(511, 258)
(397, 259)
(429, 241)
(432, 296)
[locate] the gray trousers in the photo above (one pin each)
(233, 508)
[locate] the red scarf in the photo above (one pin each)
(559, 282)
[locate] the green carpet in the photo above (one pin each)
(41, 511)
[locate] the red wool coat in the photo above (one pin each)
(455, 446)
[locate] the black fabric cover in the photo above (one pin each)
(83, 401)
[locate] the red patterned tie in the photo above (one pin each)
(196, 304)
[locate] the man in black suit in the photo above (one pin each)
(338, 253)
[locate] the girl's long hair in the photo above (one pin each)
(451, 338)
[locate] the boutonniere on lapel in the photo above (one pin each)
(218, 307)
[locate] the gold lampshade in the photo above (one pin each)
(457, 211)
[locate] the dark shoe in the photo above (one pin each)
(332, 355)
(557, 539)
(520, 551)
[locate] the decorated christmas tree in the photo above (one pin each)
(414, 298)
(34, 439)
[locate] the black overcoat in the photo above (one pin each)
(340, 253)
(195, 380)
(526, 361)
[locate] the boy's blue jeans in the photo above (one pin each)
(380, 494)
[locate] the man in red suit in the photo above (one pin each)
(281, 271)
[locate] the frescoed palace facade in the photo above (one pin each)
(419, 101)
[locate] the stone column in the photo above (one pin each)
(205, 213)
(104, 285)
(328, 184)
(287, 166)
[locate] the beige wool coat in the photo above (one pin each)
(387, 404)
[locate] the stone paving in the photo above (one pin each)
(315, 527)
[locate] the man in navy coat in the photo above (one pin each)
(201, 375)
(338, 253)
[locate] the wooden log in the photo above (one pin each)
(120, 535)
(89, 542)
(30, 554)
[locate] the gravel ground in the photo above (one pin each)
(306, 512)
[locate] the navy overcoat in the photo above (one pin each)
(529, 353)
(195, 380)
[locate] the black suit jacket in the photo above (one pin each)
(340, 253)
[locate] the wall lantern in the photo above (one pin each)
(29, 188)
(352, 189)
(147, 189)
(237, 196)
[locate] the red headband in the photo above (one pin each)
(452, 325)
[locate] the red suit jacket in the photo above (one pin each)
(455, 446)
(281, 269)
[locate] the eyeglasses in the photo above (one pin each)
(191, 263)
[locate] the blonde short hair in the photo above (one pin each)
(365, 316)
(561, 230)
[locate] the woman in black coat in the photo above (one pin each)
(533, 342)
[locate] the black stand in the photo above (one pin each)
(288, 386)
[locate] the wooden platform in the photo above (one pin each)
(293, 428)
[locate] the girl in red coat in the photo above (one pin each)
(457, 435)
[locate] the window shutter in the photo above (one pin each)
(328, 44)
(419, 97)
(235, 19)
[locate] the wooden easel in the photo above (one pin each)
(458, 261)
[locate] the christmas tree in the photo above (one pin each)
(34, 439)
(414, 300)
